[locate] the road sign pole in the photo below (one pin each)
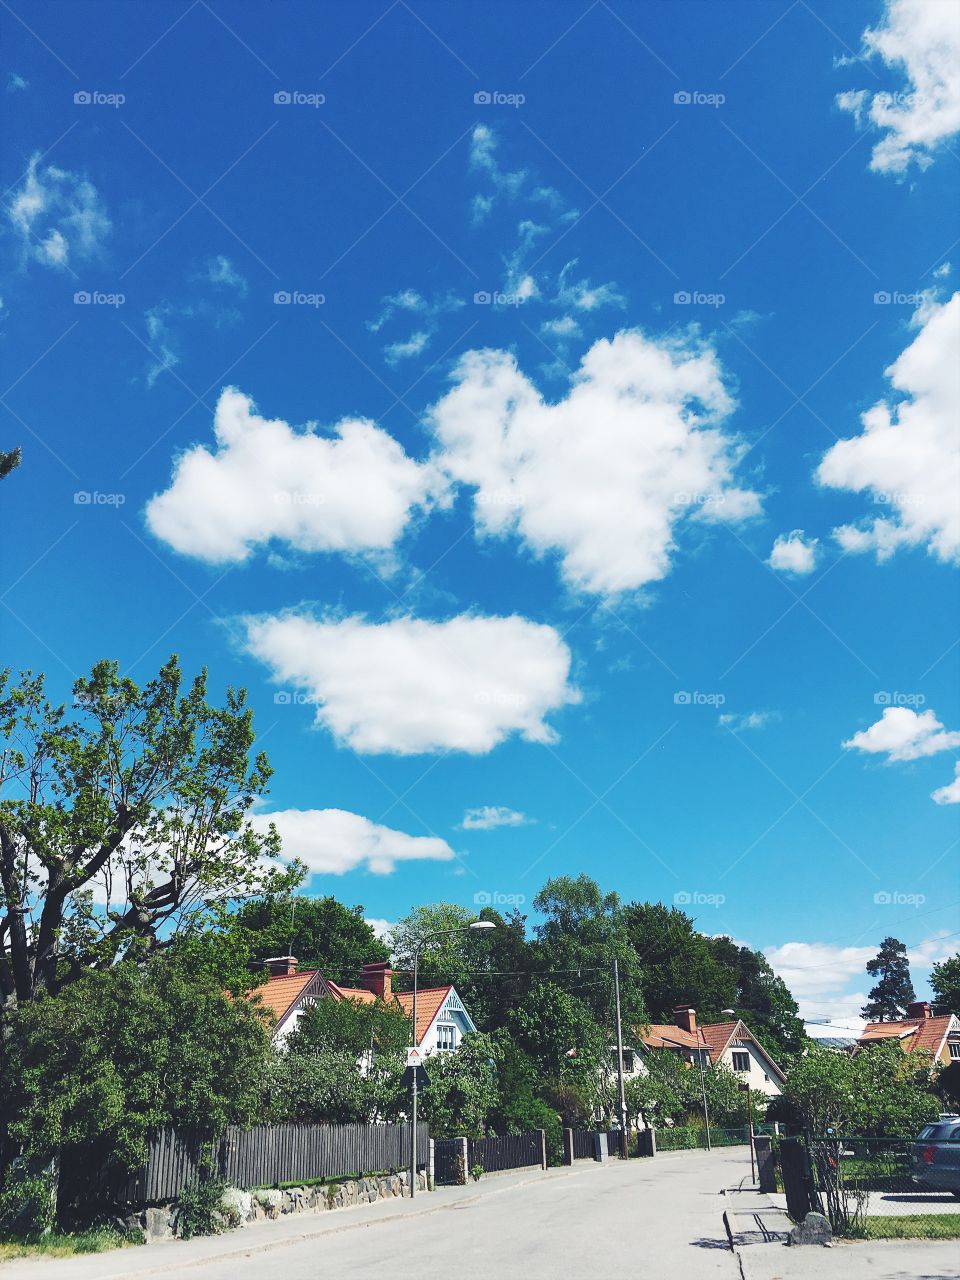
(413, 1093)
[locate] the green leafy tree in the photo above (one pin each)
(888, 1000)
(117, 1053)
(561, 1037)
(519, 1106)
(448, 958)
(583, 930)
(462, 1093)
(141, 793)
(762, 1000)
(678, 965)
(351, 1027)
(945, 981)
(321, 932)
(9, 461)
(878, 1092)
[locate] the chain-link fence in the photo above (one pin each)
(885, 1187)
(693, 1137)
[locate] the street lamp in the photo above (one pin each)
(477, 925)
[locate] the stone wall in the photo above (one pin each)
(160, 1222)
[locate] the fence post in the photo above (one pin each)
(465, 1158)
(543, 1148)
(568, 1146)
(599, 1146)
(431, 1164)
(647, 1142)
(766, 1173)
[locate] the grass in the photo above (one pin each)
(65, 1245)
(933, 1226)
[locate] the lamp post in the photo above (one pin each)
(477, 925)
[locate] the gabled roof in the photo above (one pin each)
(280, 995)
(429, 1004)
(360, 994)
(715, 1037)
(925, 1034)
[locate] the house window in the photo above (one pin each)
(446, 1036)
(954, 1047)
(628, 1061)
(741, 1062)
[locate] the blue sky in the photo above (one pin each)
(483, 388)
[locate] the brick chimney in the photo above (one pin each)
(280, 966)
(376, 977)
(686, 1018)
(920, 1009)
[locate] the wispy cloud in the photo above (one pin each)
(490, 816)
(58, 216)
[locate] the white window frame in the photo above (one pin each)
(446, 1037)
(745, 1057)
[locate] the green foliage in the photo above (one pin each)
(27, 1205)
(888, 1000)
(9, 461)
(131, 1049)
(462, 1092)
(880, 1091)
(198, 1208)
(549, 1023)
(945, 981)
(324, 1086)
(352, 1027)
(144, 792)
(321, 932)
(585, 929)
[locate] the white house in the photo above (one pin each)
(442, 1020)
(732, 1043)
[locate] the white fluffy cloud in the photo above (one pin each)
(409, 686)
(752, 720)
(793, 553)
(333, 841)
(817, 974)
(949, 794)
(604, 477)
(58, 216)
(382, 928)
(902, 734)
(350, 491)
(490, 816)
(923, 40)
(908, 455)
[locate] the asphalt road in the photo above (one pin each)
(646, 1220)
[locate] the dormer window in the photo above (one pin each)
(446, 1035)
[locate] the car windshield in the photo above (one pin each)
(938, 1132)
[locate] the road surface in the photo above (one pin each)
(656, 1219)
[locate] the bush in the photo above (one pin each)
(198, 1209)
(27, 1206)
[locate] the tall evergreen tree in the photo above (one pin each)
(894, 990)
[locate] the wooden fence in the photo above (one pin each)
(584, 1144)
(262, 1156)
(512, 1151)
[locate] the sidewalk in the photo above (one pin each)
(758, 1225)
(164, 1256)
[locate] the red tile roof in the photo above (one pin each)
(428, 1006)
(713, 1036)
(926, 1034)
(278, 995)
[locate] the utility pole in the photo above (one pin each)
(622, 1097)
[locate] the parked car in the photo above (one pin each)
(935, 1156)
